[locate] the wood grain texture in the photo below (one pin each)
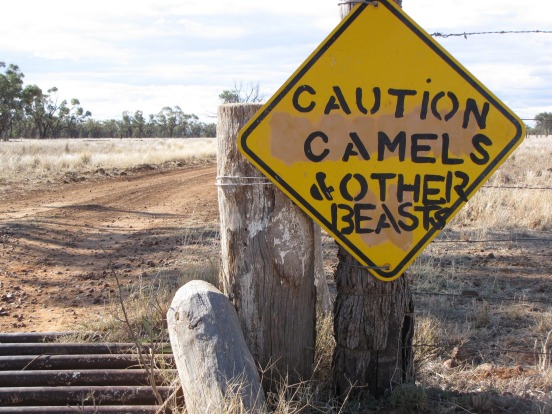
(268, 259)
(373, 327)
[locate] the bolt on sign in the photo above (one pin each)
(381, 137)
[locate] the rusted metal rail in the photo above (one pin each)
(41, 376)
(76, 377)
(36, 362)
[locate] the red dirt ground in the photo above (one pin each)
(56, 243)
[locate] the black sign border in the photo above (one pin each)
(392, 273)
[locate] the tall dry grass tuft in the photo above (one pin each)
(325, 344)
(200, 259)
(410, 398)
(428, 335)
(543, 351)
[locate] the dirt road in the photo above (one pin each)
(56, 244)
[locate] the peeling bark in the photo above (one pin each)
(373, 327)
(268, 258)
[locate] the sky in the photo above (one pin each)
(117, 56)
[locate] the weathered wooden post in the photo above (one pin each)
(268, 258)
(373, 327)
(216, 370)
(373, 322)
(324, 302)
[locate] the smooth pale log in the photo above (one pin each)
(373, 323)
(215, 367)
(268, 258)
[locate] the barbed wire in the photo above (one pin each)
(476, 296)
(548, 121)
(466, 34)
(467, 294)
(474, 350)
(495, 240)
(512, 187)
(485, 348)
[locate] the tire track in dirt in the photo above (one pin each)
(56, 244)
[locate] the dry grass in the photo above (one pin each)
(517, 209)
(31, 161)
(485, 304)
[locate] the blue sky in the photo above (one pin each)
(115, 56)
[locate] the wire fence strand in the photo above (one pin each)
(512, 187)
(475, 295)
(466, 34)
(524, 240)
(474, 350)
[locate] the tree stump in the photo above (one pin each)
(216, 369)
(268, 258)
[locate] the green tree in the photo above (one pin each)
(543, 125)
(173, 121)
(151, 127)
(138, 124)
(41, 108)
(110, 129)
(209, 130)
(240, 93)
(74, 118)
(11, 99)
(200, 129)
(187, 124)
(49, 115)
(91, 129)
(229, 96)
(126, 125)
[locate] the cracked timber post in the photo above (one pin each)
(373, 323)
(268, 259)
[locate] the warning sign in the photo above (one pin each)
(381, 137)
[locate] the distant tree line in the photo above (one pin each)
(29, 112)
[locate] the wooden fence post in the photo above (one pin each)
(268, 258)
(216, 370)
(324, 303)
(373, 323)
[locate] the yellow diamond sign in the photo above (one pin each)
(381, 137)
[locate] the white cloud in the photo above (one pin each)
(117, 56)
(210, 31)
(488, 14)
